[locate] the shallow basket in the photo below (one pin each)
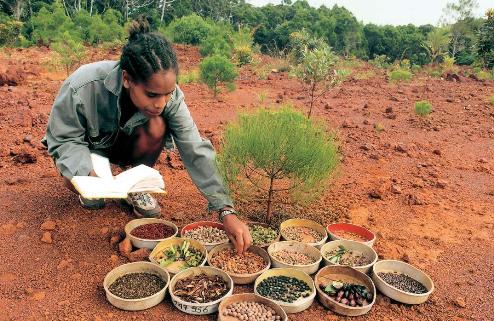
(351, 245)
(153, 257)
(369, 237)
(135, 304)
(305, 223)
(299, 305)
(145, 243)
(191, 226)
(248, 297)
(294, 246)
(405, 268)
(344, 274)
(242, 278)
(199, 308)
(265, 245)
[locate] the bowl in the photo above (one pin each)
(294, 246)
(305, 223)
(155, 254)
(265, 245)
(146, 243)
(135, 304)
(368, 237)
(199, 308)
(299, 305)
(248, 297)
(397, 294)
(242, 278)
(366, 250)
(191, 226)
(344, 274)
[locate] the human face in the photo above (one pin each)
(150, 98)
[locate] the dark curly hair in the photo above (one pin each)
(146, 52)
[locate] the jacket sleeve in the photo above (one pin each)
(66, 132)
(197, 154)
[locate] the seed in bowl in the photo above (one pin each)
(207, 234)
(347, 293)
(344, 256)
(201, 288)
(251, 311)
(403, 282)
(293, 258)
(136, 285)
(262, 235)
(181, 257)
(153, 231)
(302, 234)
(349, 236)
(283, 288)
(247, 263)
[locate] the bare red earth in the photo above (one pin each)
(424, 186)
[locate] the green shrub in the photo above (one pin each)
(490, 100)
(484, 75)
(275, 151)
(10, 33)
(189, 77)
(216, 70)
(400, 75)
(215, 44)
(50, 24)
(380, 61)
(301, 41)
(70, 51)
(242, 55)
(242, 46)
(189, 29)
(415, 69)
(485, 43)
(423, 108)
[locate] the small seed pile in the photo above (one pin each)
(344, 256)
(347, 293)
(302, 234)
(207, 235)
(247, 263)
(262, 235)
(201, 288)
(293, 258)
(153, 231)
(350, 236)
(283, 288)
(136, 285)
(251, 311)
(403, 282)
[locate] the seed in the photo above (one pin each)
(201, 288)
(153, 231)
(262, 235)
(136, 285)
(283, 288)
(207, 235)
(349, 236)
(403, 282)
(293, 258)
(247, 263)
(302, 234)
(256, 311)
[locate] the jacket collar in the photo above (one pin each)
(113, 81)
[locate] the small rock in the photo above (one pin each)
(8, 229)
(346, 124)
(437, 152)
(63, 264)
(441, 183)
(415, 199)
(374, 156)
(25, 158)
(46, 238)
(139, 255)
(483, 160)
(405, 258)
(28, 138)
(389, 110)
(460, 302)
(114, 259)
(393, 98)
(366, 147)
(366, 122)
(375, 194)
(125, 247)
(450, 100)
(114, 240)
(395, 189)
(391, 116)
(401, 148)
(29, 291)
(48, 225)
(104, 231)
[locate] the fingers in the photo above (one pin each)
(239, 243)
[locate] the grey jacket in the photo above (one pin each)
(85, 117)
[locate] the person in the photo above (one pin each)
(129, 111)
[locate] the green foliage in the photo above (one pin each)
(189, 29)
(215, 70)
(490, 100)
(437, 43)
(276, 151)
(70, 51)
(380, 61)
(242, 46)
(317, 72)
(423, 108)
(484, 75)
(50, 24)
(302, 41)
(242, 55)
(400, 74)
(10, 33)
(485, 45)
(189, 77)
(215, 44)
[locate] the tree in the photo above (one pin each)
(216, 70)
(70, 51)
(485, 46)
(437, 43)
(277, 151)
(317, 70)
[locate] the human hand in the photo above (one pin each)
(238, 232)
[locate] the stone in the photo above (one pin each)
(48, 225)
(125, 247)
(441, 183)
(395, 189)
(460, 302)
(46, 238)
(139, 255)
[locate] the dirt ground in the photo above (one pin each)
(425, 186)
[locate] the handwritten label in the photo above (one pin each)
(192, 309)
